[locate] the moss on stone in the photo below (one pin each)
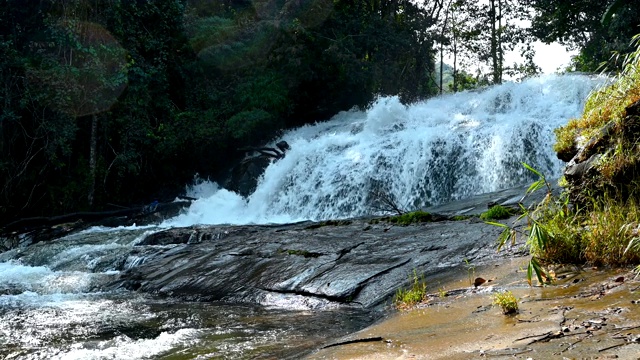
(329, 223)
(411, 218)
(497, 212)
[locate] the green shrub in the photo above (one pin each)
(251, 127)
(507, 302)
(600, 235)
(602, 106)
(607, 232)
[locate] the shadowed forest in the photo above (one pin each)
(109, 103)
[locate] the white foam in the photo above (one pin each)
(431, 152)
(40, 280)
(124, 348)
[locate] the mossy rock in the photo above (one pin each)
(411, 218)
(497, 212)
(329, 223)
(461, 217)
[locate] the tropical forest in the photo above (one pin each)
(319, 179)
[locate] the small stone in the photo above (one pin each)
(479, 281)
(565, 329)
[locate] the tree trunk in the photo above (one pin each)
(92, 158)
(444, 28)
(441, 64)
(454, 43)
(500, 50)
(494, 42)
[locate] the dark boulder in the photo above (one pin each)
(243, 178)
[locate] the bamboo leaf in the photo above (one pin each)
(528, 167)
(538, 236)
(633, 243)
(536, 186)
(504, 236)
(496, 224)
(537, 268)
(525, 212)
(522, 216)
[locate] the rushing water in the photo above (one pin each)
(52, 307)
(431, 152)
(52, 302)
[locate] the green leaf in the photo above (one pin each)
(633, 244)
(536, 186)
(502, 239)
(524, 210)
(497, 224)
(535, 267)
(528, 167)
(538, 236)
(529, 273)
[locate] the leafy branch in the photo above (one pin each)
(538, 237)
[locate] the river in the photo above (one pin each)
(53, 303)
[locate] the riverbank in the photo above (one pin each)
(589, 313)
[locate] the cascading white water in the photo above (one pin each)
(442, 149)
(51, 302)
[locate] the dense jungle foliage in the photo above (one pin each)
(115, 102)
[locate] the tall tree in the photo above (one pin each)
(577, 24)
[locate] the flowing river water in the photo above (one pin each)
(52, 299)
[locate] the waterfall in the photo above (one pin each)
(431, 152)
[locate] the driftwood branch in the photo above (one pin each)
(347, 342)
(613, 347)
(385, 202)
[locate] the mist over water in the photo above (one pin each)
(431, 152)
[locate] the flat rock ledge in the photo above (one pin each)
(358, 262)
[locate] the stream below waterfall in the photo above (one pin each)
(53, 302)
(52, 307)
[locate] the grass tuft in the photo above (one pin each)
(407, 299)
(497, 212)
(507, 302)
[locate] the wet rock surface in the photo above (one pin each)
(588, 314)
(359, 262)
